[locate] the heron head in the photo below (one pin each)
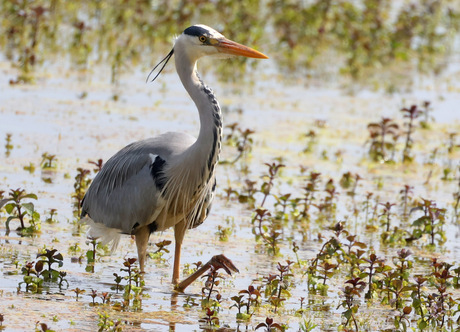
(200, 40)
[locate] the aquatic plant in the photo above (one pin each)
(328, 250)
(42, 327)
(269, 178)
(270, 325)
(8, 144)
(105, 297)
(431, 223)
(105, 323)
(452, 146)
(311, 141)
(239, 138)
(252, 299)
(307, 325)
(161, 250)
(51, 257)
(369, 271)
(91, 255)
(78, 292)
(427, 109)
(190, 302)
(132, 291)
(210, 319)
(51, 219)
(49, 161)
(411, 114)
(20, 210)
(267, 230)
(350, 181)
(93, 296)
(223, 232)
(309, 194)
(403, 264)
(209, 289)
(97, 165)
(386, 215)
(81, 184)
(62, 279)
(353, 288)
(403, 320)
(32, 272)
(406, 196)
(456, 196)
(118, 279)
(327, 205)
(380, 146)
(277, 285)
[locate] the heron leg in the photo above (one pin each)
(179, 232)
(216, 262)
(142, 240)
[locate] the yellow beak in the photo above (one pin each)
(230, 47)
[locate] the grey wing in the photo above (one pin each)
(126, 193)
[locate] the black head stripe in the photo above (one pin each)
(165, 60)
(197, 31)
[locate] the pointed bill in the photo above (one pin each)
(230, 47)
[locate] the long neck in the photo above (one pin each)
(208, 144)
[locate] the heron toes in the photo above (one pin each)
(215, 263)
(222, 262)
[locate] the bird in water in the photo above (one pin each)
(168, 180)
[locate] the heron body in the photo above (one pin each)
(169, 180)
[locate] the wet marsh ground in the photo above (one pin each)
(332, 226)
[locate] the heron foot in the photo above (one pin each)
(215, 263)
(222, 262)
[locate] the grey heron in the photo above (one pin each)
(168, 180)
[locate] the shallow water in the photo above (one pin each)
(50, 117)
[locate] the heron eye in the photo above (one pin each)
(202, 39)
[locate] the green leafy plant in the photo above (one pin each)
(311, 141)
(105, 323)
(20, 210)
(270, 325)
(51, 257)
(353, 288)
(32, 272)
(427, 109)
(380, 145)
(8, 145)
(212, 281)
(248, 298)
(78, 292)
(309, 190)
(80, 186)
(277, 285)
(133, 289)
(411, 114)
(240, 139)
(210, 319)
(369, 271)
(161, 250)
(49, 161)
(431, 223)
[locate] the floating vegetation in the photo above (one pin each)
(330, 218)
(365, 36)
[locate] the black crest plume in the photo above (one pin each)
(165, 60)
